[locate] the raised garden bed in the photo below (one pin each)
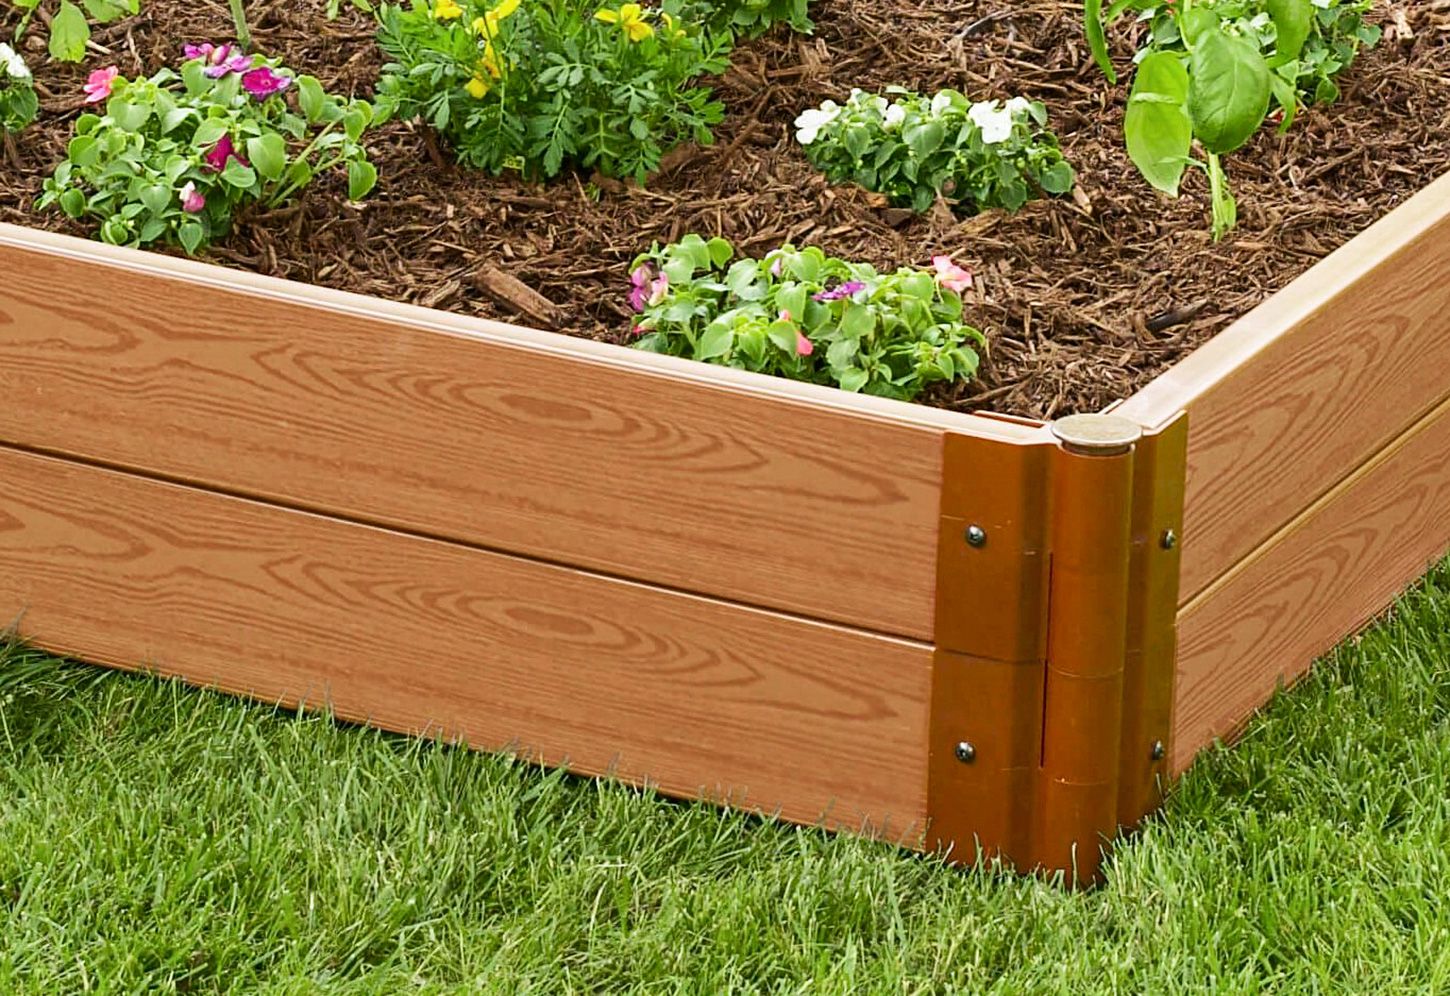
(939, 627)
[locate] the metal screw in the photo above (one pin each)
(966, 753)
(976, 536)
(1159, 751)
(1170, 539)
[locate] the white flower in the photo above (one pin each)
(1323, 4)
(995, 122)
(1018, 105)
(14, 65)
(809, 124)
(940, 103)
(895, 114)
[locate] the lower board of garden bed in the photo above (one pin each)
(942, 629)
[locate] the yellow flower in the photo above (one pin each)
(477, 87)
(630, 18)
(670, 29)
(446, 10)
(487, 25)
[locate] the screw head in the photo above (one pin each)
(1159, 751)
(976, 536)
(966, 752)
(1169, 540)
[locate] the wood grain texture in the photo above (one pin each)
(704, 479)
(1324, 576)
(411, 634)
(1293, 398)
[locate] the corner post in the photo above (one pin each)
(1087, 634)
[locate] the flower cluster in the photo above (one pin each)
(174, 156)
(799, 313)
(986, 154)
(18, 103)
(539, 86)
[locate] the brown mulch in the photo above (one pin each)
(1084, 299)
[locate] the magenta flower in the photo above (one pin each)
(844, 290)
(220, 59)
(220, 153)
(950, 275)
(262, 82)
(192, 201)
(98, 85)
(658, 288)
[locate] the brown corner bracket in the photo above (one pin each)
(1052, 686)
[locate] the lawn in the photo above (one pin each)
(159, 839)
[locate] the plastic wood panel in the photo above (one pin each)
(1292, 399)
(1332, 570)
(696, 696)
(702, 479)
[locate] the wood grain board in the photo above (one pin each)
(417, 635)
(703, 479)
(1292, 399)
(1330, 571)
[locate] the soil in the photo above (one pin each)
(1084, 299)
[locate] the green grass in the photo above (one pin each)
(157, 839)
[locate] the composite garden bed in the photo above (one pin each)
(940, 627)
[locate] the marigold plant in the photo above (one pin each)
(801, 314)
(546, 84)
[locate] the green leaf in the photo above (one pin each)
(156, 198)
(69, 33)
(1293, 21)
(1097, 37)
(857, 320)
(1158, 129)
(1228, 91)
(716, 341)
(132, 117)
(784, 335)
(924, 138)
(239, 176)
(311, 98)
(362, 177)
(73, 203)
(192, 235)
(720, 251)
(208, 133)
(105, 11)
(852, 379)
(268, 154)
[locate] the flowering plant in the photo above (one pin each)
(537, 86)
(746, 18)
(1211, 70)
(799, 313)
(914, 149)
(172, 157)
(18, 103)
(69, 28)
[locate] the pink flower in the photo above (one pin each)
(262, 82)
(803, 346)
(220, 153)
(98, 86)
(639, 286)
(950, 275)
(658, 289)
(775, 267)
(192, 201)
(220, 59)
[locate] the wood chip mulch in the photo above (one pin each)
(1084, 299)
